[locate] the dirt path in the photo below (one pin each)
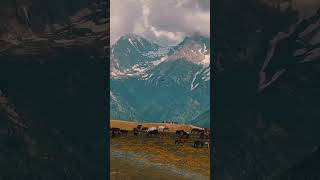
(125, 166)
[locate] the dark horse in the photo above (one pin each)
(115, 132)
(154, 132)
(185, 135)
(198, 143)
(136, 131)
(124, 132)
(204, 135)
(178, 132)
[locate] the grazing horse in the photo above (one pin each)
(166, 129)
(205, 135)
(144, 129)
(201, 135)
(185, 135)
(198, 143)
(161, 134)
(178, 132)
(154, 132)
(196, 130)
(136, 131)
(151, 129)
(161, 128)
(180, 141)
(124, 132)
(115, 131)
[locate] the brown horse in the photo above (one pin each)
(162, 134)
(115, 132)
(202, 135)
(196, 130)
(136, 131)
(124, 132)
(166, 129)
(198, 143)
(144, 129)
(180, 141)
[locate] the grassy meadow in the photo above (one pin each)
(163, 150)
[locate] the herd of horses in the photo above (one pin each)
(181, 136)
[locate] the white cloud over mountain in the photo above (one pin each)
(165, 21)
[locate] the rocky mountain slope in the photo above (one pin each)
(53, 64)
(154, 83)
(202, 120)
(265, 96)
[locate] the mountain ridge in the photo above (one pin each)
(176, 76)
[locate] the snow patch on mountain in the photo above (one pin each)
(150, 55)
(206, 60)
(159, 53)
(194, 86)
(200, 76)
(113, 97)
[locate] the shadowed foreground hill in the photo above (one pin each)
(62, 106)
(266, 90)
(53, 89)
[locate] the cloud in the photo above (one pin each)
(171, 36)
(124, 15)
(165, 21)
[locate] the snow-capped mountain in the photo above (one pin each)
(195, 48)
(160, 83)
(133, 55)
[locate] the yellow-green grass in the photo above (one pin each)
(163, 150)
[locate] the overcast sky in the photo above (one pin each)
(164, 21)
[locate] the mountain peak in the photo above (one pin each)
(197, 38)
(197, 35)
(131, 36)
(136, 42)
(132, 51)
